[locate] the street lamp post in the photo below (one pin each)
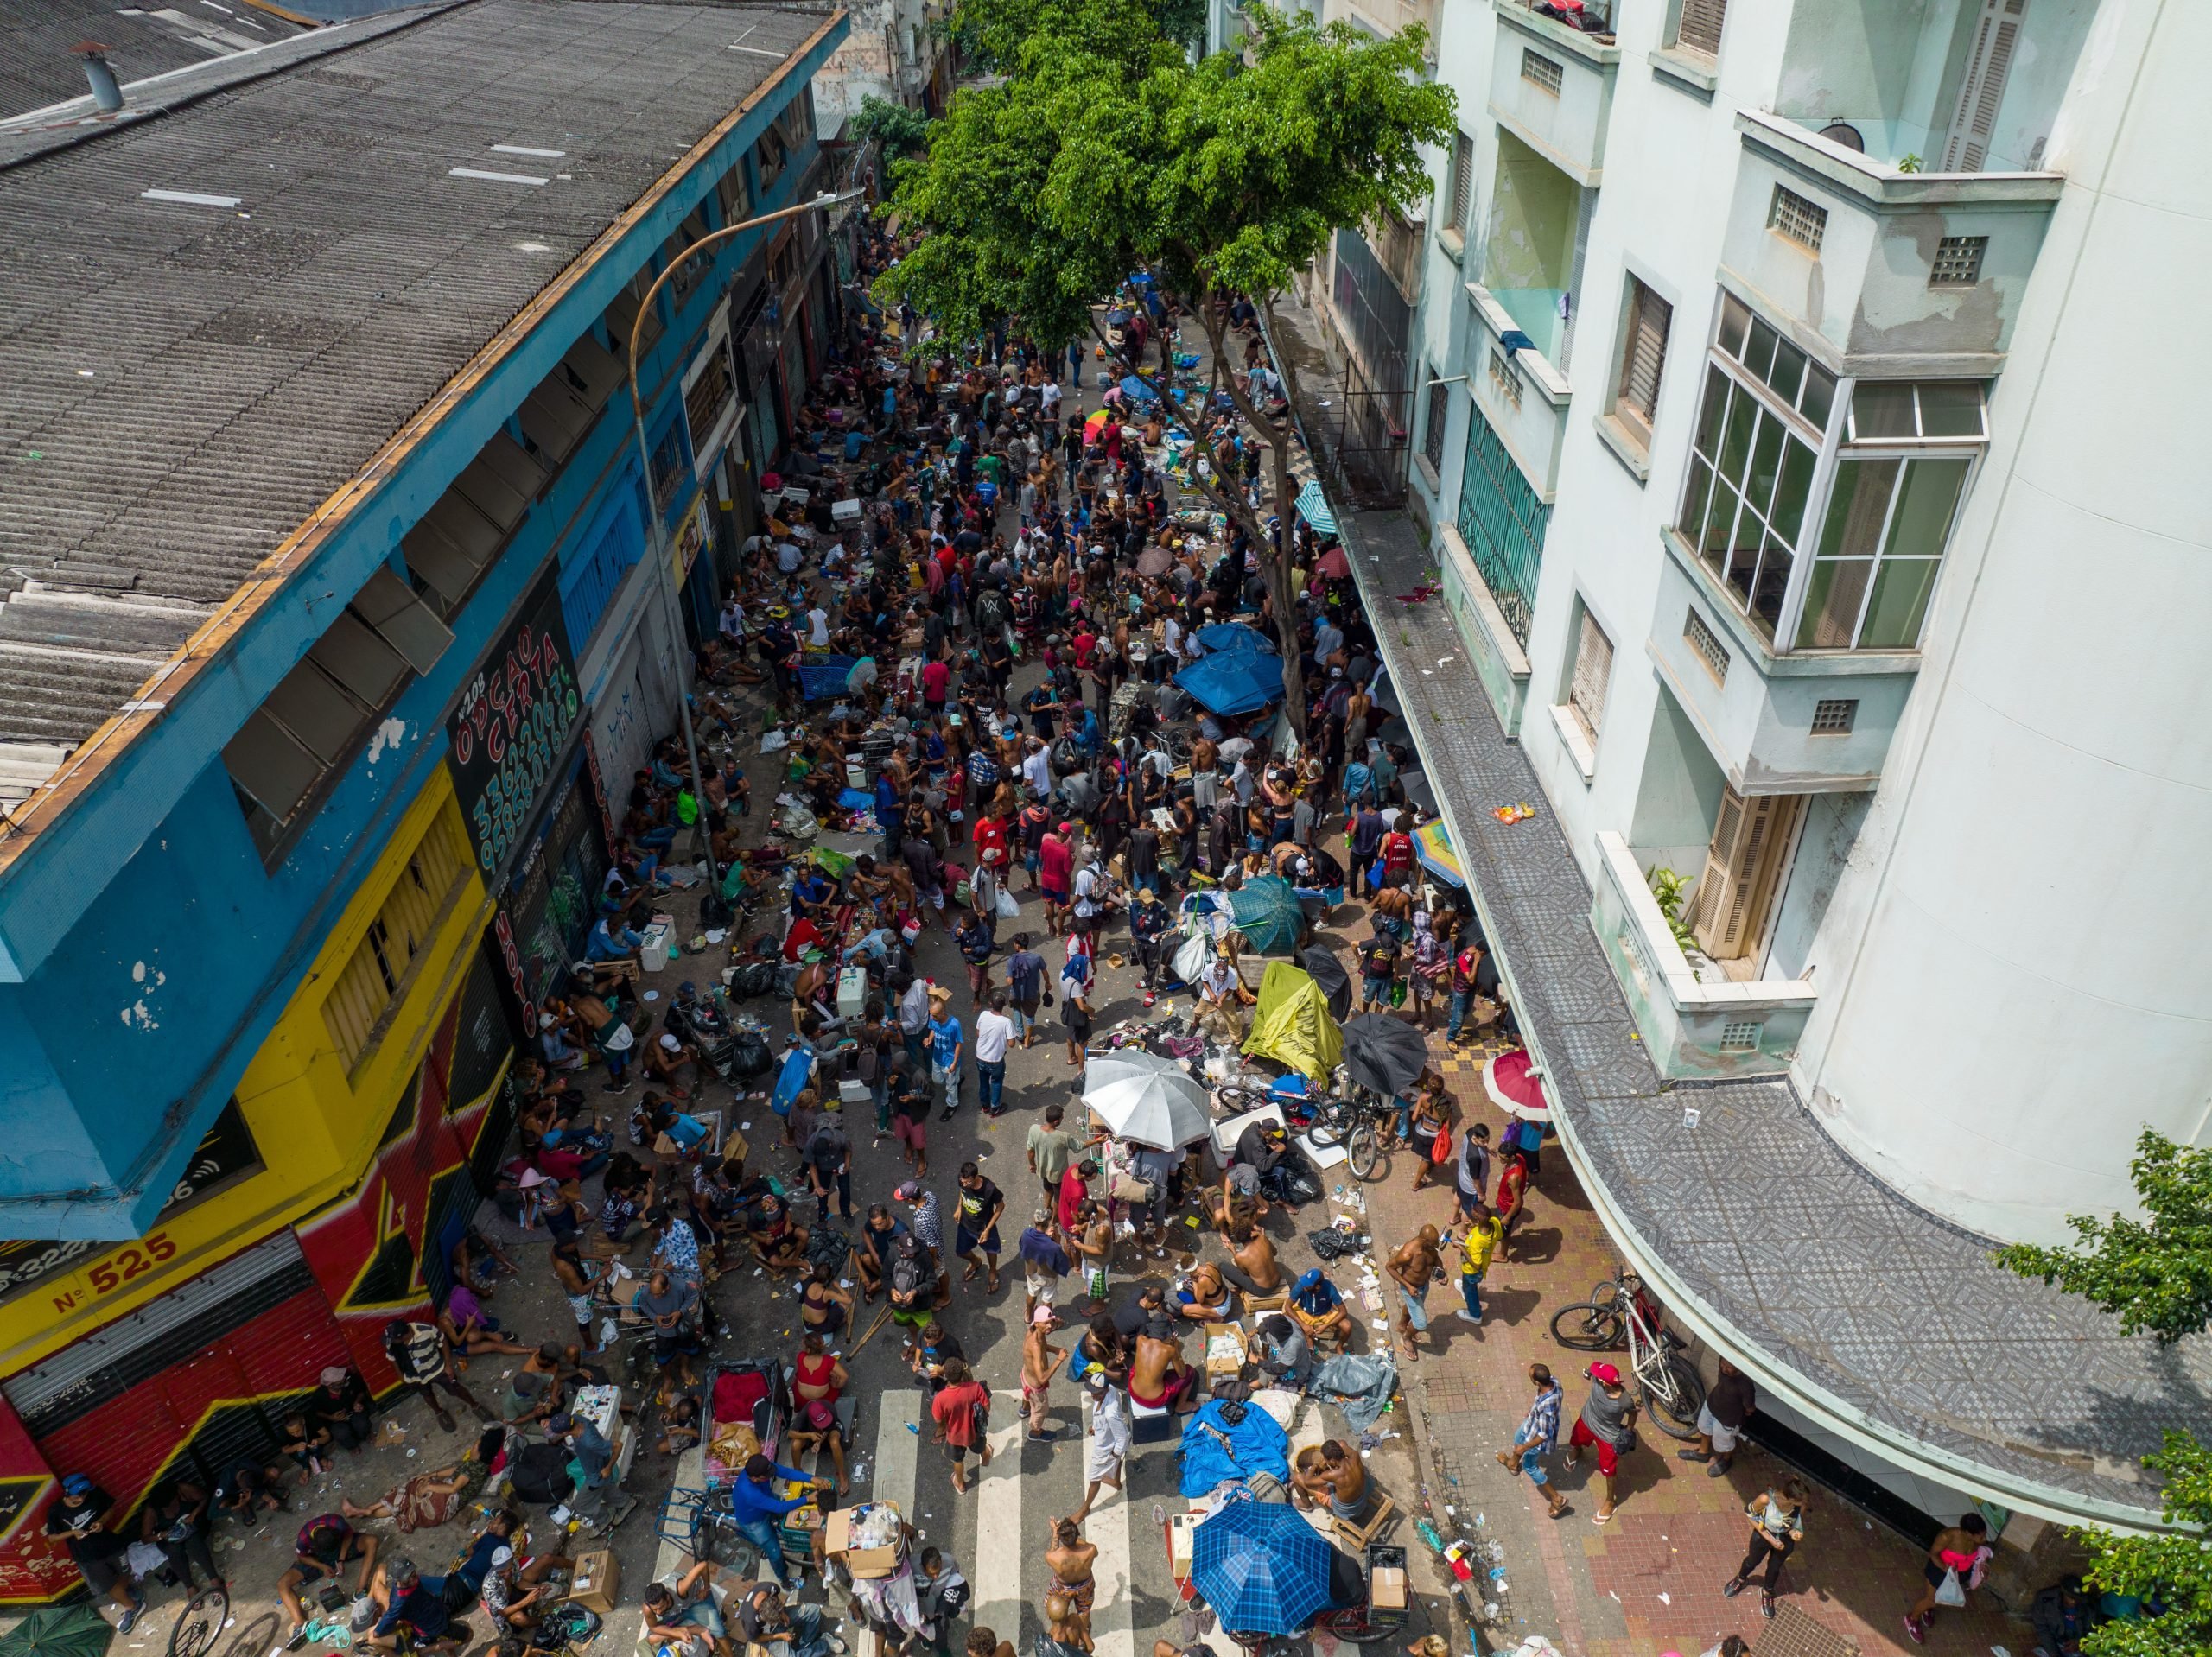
(666, 580)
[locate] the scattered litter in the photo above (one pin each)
(1665, 1599)
(652, 995)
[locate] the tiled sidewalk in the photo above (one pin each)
(1649, 1581)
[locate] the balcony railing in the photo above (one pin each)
(1692, 1029)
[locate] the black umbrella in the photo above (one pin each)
(1384, 1053)
(1418, 790)
(1329, 972)
(1395, 732)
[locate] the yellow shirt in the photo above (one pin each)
(1482, 1243)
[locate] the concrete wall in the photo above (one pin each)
(2013, 979)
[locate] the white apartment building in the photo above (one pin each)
(1804, 438)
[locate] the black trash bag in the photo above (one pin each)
(749, 1055)
(752, 978)
(539, 1474)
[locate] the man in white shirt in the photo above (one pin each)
(818, 622)
(1037, 769)
(994, 1033)
(787, 556)
(1051, 394)
(915, 1019)
(1173, 635)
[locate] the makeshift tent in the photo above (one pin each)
(1433, 845)
(1313, 507)
(824, 675)
(1239, 682)
(1234, 635)
(1292, 1024)
(1268, 914)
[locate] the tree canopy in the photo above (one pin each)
(2173, 1573)
(899, 129)
(1107, 152)
(2155, 1272)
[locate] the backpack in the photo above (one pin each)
(539, 1474)
(908, 1276)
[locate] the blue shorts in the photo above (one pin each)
(1532, 1459)
(1416, 1307)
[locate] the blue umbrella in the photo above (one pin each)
(1234, 682)
(1136, 390)
(1262, 1568)
(1233, 636)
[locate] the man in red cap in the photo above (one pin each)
(1055, 873)
(1607, 1421)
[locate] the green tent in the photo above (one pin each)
(1293, 1026)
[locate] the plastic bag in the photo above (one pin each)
(1950, 1590)
(1008, 908)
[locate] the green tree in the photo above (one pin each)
(2176, 1569)
(2156, 1272)
(900, 131)
(1106, 151)
(1183, 21)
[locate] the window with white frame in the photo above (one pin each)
(1899, 476)
(1593, 675)
(1643, 355)
(1841, 556)
(1760, 428)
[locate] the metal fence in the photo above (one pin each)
(1366, 428)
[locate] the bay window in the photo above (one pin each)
(1821, 506)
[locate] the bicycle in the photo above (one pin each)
(1623, 1311)
(200, 1622)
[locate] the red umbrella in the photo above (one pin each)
(1514, 1088)
(1334, 565)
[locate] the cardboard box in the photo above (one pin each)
(1181, 1540)
(597, 1579)
(867, 1563)
(1386, 1588)
(1224, 1351)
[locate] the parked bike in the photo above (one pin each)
(1623, 1311)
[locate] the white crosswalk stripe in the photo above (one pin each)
(996, 1560)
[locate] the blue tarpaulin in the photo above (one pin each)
(1234, 682)
(798, 1071)
(1135, 390)
(1234, 635)
(1214, 1451)
(824, 675)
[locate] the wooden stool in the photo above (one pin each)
(1361, 1535)
(1259, 1303)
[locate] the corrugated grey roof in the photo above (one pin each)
(38, 68)
(181, 385)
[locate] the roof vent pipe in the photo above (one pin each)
(106, 92)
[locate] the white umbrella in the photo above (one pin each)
(1152, 1101)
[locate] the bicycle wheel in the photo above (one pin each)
(1354, 1626)
(1331, 1121)
(1591, 1326)
(1674, 1402)
(1366, 1149)
(198, 1622)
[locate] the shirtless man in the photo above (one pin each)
(1252, 1266)
(1412, 1268)
(1040, 1361)
(1070, 1560)
(1158, 1378)
(1346, 1482)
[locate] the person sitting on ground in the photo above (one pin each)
(1252, 1266)
(417, 1617)
(815, 1426)
(1265, 1148)
(1205, 1297)
(1158, 1377)
(779, 1241)
(1318, 1306)
(1351, 1498)
(684, 1616)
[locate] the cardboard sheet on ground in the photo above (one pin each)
(1292, 1024)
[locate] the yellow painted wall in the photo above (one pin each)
(315, 1126)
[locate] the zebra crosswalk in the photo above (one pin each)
(999, 1531)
